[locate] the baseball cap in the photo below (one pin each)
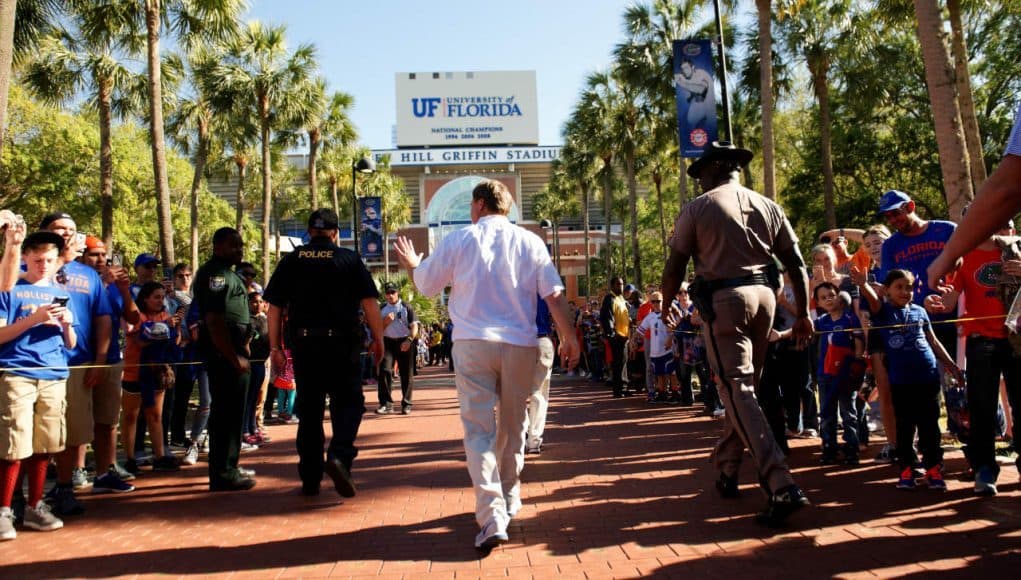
(630, 288)
(390, 287)
(52, 217)
(94, 243)
(892, 200)
(323, 219)
(146, 259)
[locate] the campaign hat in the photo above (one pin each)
(720, 151)
(323, 219)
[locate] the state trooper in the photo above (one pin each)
(319, 289)
(735, 237)
(224, 332)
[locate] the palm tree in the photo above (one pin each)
(190, 22)
(329, 126)
(946, 110)
(813, 29)
(91, 57)
(554, 203)
(972, 136)
(579, 163)
(22, 25)
(765, 15)
(258, 74)
(335, 167)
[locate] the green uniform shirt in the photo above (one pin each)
(219, 289)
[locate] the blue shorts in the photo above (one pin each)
(663, 365)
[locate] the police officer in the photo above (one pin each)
(322, 287)
(224, 332)
(733, 234)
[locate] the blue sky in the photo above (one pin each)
(361, 45)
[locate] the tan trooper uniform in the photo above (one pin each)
(732, 233)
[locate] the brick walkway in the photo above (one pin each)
(621, 490)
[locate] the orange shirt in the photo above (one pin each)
(976, 280)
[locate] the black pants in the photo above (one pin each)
(988, 358)
(617, 344)
(405, 361)
(794, 375)
(770, 397)
(227, 392)
(917, 407)
(326, 366)
(184, 384)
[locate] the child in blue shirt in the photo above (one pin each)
(911, 351)
(840, 349)
(35, 329)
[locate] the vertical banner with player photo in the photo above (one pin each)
(696, 95)
(370, 217)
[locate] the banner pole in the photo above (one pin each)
(723, 71)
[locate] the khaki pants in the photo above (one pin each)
(538, 403)
(494, 376)
(744, 316)
(31, 417)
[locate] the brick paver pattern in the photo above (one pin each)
(622, 489)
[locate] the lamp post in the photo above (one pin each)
(364, 165)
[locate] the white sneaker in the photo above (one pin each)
(719, 412)
(191, 457)
(40, 518)
(248, 447)
(7, 531)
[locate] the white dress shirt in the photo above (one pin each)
(494, 269)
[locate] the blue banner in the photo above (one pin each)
(696, 95)
(370, 217)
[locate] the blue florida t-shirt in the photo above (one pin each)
(837, 332)
(39, 352)
(88, 301)
(909, 357)
(915, 253)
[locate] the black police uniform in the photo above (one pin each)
(219, 290)
(321, 285)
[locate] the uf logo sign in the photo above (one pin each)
(425, 107)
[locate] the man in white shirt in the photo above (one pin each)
(400, 328)
(494, 269)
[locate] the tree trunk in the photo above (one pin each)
(105, 159)
(749, 179)
(682, 185)
(608, 212)
(657, 179)
(819, 67)
(972, 136)
(267, 186)
(939, 77)
(159, 154)
(334, 195)
(766, 90)
(632, 201)
(201, 154)
(585, 226)
(7, 16)
(239, 205)
(313, 153)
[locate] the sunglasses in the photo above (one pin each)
(656, 301)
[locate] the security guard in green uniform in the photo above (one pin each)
(322, 286)
(224, 332)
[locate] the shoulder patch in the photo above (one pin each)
(217, 283)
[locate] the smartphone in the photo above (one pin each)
(79, 240)
(116, 260)
(61, 300)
